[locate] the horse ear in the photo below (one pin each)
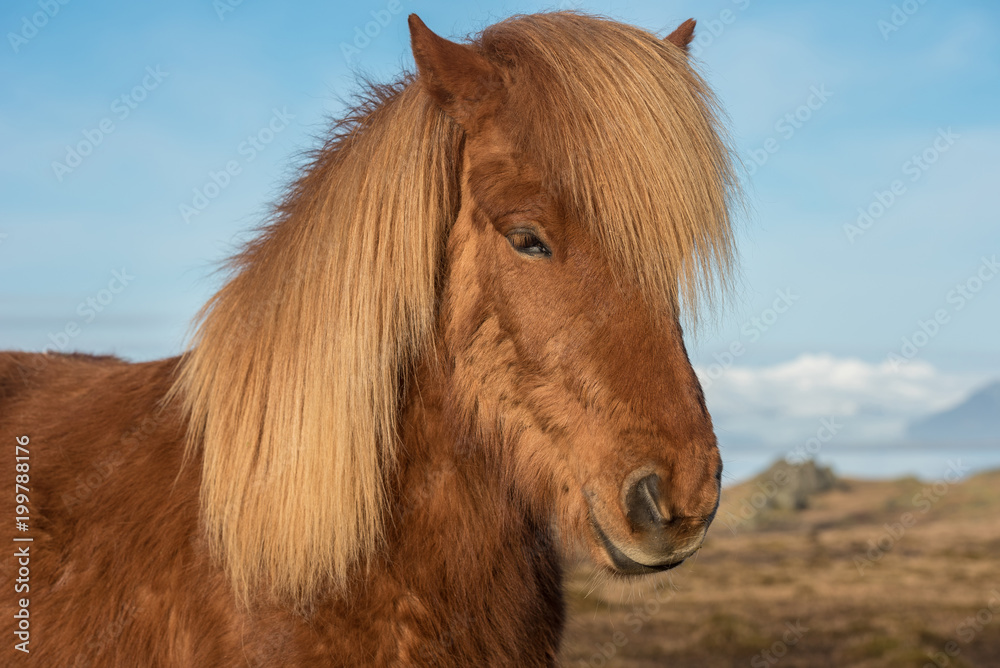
(683, 35)
(456, 75)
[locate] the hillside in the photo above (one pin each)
(977, 419)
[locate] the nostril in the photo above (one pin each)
(643, 503)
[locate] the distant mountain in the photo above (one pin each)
(975, 419)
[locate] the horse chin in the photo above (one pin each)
(621, 563)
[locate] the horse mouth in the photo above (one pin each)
(624, 564)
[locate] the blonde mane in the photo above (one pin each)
(294, 382)
(296, 374)
(629, 132)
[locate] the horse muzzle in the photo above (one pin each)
(655, 540)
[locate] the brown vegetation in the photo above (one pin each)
(869, 590)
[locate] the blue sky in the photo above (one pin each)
(842, 101)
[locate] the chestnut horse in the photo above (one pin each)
(454, 355)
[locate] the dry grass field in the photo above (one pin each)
(871, 573)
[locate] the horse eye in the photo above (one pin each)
(527, 242)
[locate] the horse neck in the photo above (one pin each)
(459, 542)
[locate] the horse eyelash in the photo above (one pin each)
(523, 240)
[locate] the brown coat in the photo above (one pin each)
(453, 356)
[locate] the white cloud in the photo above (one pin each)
(872, 403)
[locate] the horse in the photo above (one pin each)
(451, 359)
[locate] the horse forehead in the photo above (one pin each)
(502, 181)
